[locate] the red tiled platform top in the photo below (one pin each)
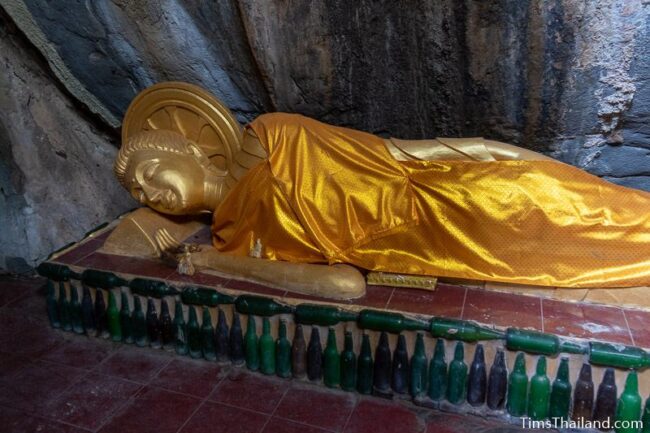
(571, 319)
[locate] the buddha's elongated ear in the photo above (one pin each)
(192, 112)
(204, 160)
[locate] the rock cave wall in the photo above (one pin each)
(565, 77)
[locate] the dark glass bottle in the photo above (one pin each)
(400, 369)
(365, 367)
(314, 356)
(498, 382)
(298, 354)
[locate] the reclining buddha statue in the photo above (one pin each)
(305, 205)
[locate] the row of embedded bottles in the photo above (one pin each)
(385, 373)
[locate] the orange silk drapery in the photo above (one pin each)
(329, 194)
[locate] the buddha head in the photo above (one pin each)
(169, 173)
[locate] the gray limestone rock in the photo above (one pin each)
(55, 177)
(569, 78)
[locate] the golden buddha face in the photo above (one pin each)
(163, 170)
(167, 182)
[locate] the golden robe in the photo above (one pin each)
(327, 194)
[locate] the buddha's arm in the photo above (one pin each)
(459, 149)
(335, 282)
(503, 151)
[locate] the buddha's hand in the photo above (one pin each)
(177, 253)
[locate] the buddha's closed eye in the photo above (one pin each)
(150, 170)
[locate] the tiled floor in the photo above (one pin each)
(60, 382)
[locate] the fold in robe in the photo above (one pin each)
(328, 194)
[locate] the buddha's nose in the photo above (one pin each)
(153, 195)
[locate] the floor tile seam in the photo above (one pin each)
(45, 417)
(390, 298)
(189, 418)
(462, 307)
(72, 383)
(275, 409)
(111, 376)
(83, 371)
(172, 391)
(354, 408)
(200, 405)
(157, 372)
(629, 330)
(323, 429)
(119, 409)
(234, 406)
(52, 397)
(91, 252)
(16, 299)
(541, 312)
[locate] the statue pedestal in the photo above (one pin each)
(554, 323)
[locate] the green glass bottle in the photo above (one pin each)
(250, 345)
(261, 306)
(561, 392)
(517, 387)
(331, 361)
(348, 364)
(390, 322)
(56, 272)
(540, 343)
(64, 308)
(364, 367)
(418, 379)
(645, 417)
(181, 345)
(322, 315)
(151, 288)
(207, 336)
(615, 355)
(138, 323)
(204, 296)
(125, 319)
(267, 348)
(283, 352)
(540, 391)
(454, 329)
(194, 334)
(105, 280)
(629, 404)
(113, 318)
(457, 379)
(76, 316)
(52, 305)
(438, 372)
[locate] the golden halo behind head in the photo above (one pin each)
(191, 111)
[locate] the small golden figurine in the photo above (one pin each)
(315, 202)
